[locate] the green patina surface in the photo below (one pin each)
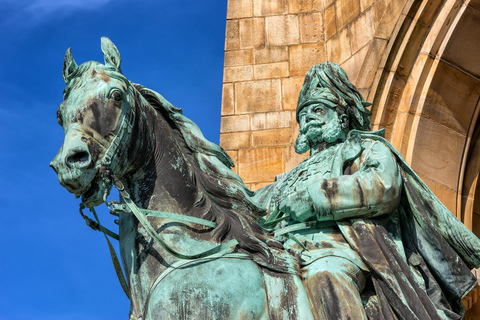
(190, 243)
(350, 232)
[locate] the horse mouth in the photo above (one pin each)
(93, 196)
(90, 191)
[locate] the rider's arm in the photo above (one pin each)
(373, 190)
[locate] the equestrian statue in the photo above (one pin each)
(350, 233)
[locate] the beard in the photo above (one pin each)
(328, 132)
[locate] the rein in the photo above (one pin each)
(110, 162)
(223, 247)
(130, 207)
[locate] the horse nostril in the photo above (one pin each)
(78, 159)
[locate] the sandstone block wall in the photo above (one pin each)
(269, 46)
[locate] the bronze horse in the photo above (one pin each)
(217, 262)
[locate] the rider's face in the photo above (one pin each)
(320, 123)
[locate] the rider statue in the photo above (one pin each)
(372, 240)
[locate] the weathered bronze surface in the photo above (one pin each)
(190, 243)
(372, 240)
(351, 232)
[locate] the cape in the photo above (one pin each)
(438, 247)
(420, 257)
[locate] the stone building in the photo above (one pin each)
(415, 60)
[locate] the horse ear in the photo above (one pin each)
(110, 53)
(69, 65)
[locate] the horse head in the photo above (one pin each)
(96, 115)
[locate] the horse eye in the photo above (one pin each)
(117, 95)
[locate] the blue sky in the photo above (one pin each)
(52, 265)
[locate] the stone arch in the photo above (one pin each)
(426, 94)
(470, 196)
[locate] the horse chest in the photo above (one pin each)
(204, 289)
(211, 289)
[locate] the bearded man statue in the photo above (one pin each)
(372, 240)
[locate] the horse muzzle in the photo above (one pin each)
(74, 162)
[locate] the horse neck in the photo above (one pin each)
(160, 178)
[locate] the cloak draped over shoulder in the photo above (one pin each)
(419, 253)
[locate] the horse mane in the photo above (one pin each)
(224, 198)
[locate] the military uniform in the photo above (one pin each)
(369, 186)
(372, 217)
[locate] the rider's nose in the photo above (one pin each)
(77, 158)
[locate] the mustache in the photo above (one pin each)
(312, 123)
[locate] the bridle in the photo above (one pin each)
(123, 132)
(107, 167)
